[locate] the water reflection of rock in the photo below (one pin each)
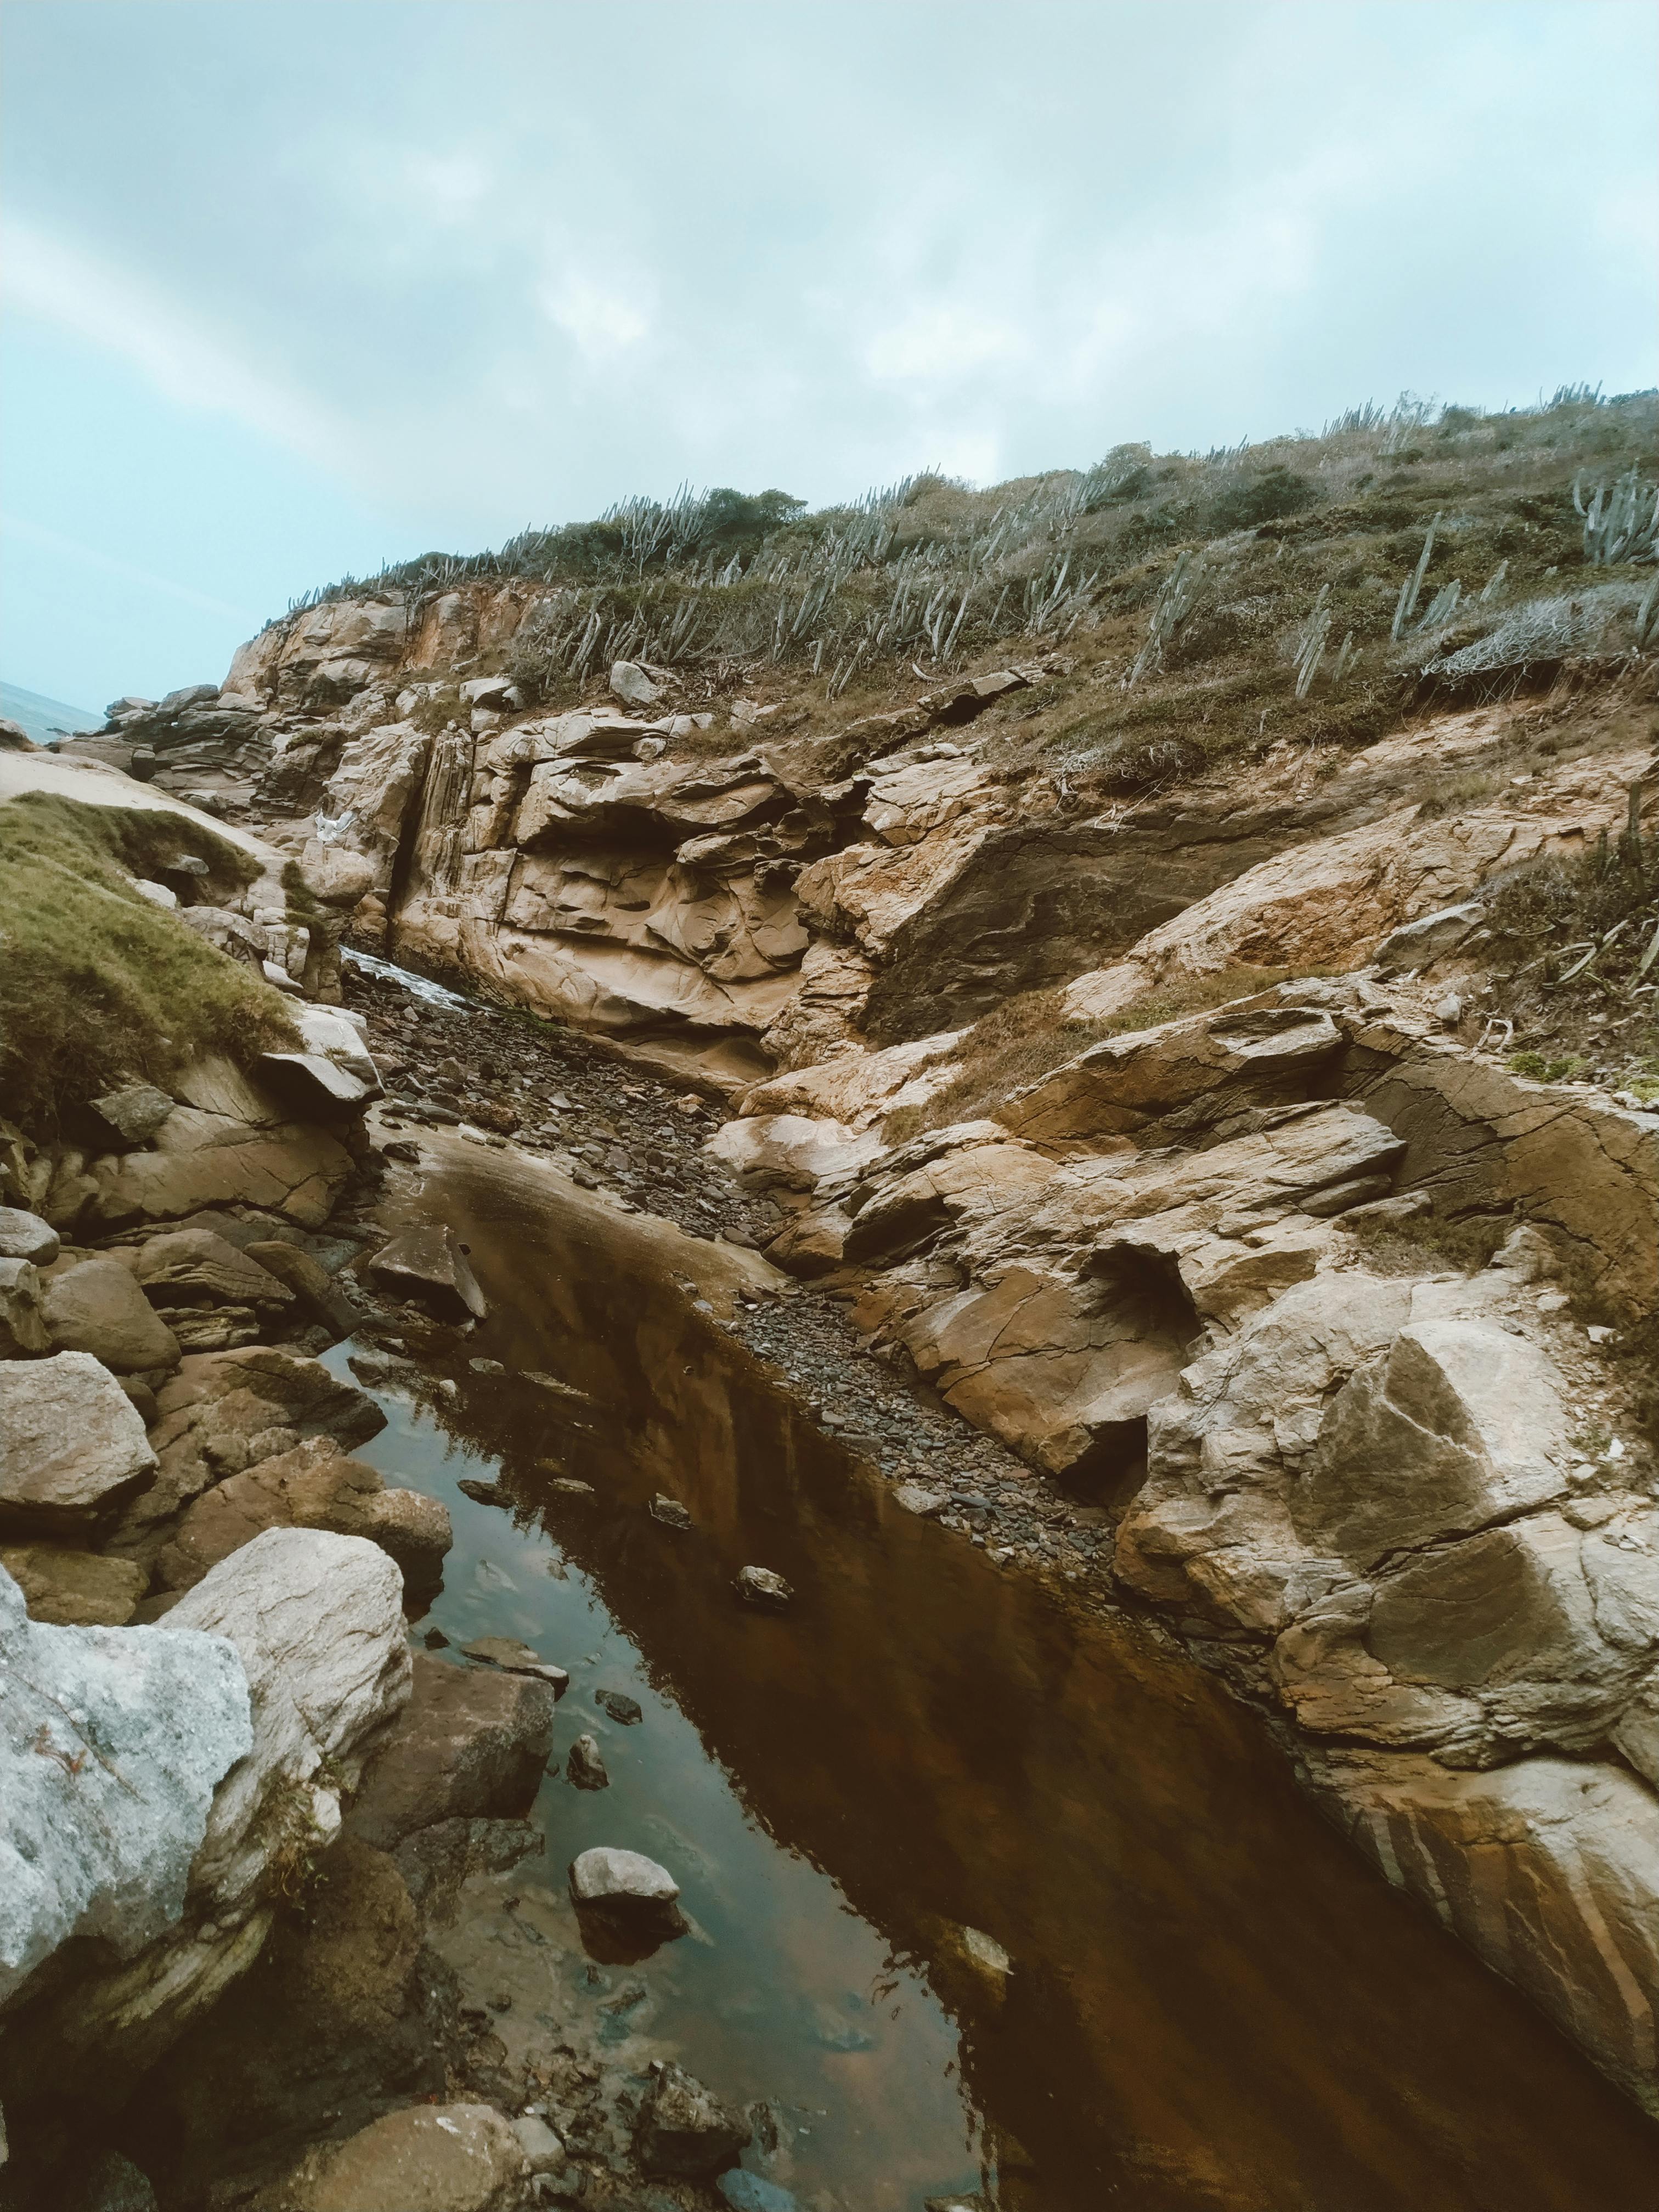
(954, 1745)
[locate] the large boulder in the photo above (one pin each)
(24, 1236)
(314, 1486)
(317, 1620)
(225, 1412)
(72, 1444)
(93, 1304)
(112, 1744)
(473, 1743)
(193, 1267)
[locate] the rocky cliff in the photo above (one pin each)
(1223, 1075)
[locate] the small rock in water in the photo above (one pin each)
(480, 1493)
(402, 1149)
(750, 2193)
(628, 1896)
(567, 1486)
(670, 1512)
(512, 1658)
(486, 1366)
(986, 1952)
(759, 1586)
(585, 1769)
(545, 1382)
(435, 1640)
(685, 2130)
(627, 1710)
(973, 2203)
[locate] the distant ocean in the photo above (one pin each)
(40, 717)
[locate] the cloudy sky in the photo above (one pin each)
(292, 288)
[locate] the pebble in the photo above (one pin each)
(626, 1710)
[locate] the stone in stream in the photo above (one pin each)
(515, 1658)
(585, 1769)
(625, 1711)
(427, 1263)
(684, 2131)
(482, 1493)
(472, 1743)
(762, 1588)
(626, 1905)
(669, 1511)
(569, 1486)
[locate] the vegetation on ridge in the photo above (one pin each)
(97, 984)
(1413, 544)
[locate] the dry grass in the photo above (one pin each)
(97, 984)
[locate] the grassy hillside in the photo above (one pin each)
(97, 984)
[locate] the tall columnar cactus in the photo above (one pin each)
(1621, 522)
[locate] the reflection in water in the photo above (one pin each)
(1213, 2003)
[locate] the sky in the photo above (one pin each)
(292, 289)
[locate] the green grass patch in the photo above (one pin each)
(97, 984)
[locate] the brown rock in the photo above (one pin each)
(471, 1742)
(74, 1590)
(95, 1305)
(193, 1267)
(428, 2158)
(314, 1486)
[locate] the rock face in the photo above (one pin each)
(113, 1743)
(72, 1446)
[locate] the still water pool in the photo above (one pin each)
(1212, 2003)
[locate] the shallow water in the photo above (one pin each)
(1214, 2002)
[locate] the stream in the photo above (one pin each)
(1213, 2003)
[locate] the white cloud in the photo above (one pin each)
(68, 288)
(603, 319)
